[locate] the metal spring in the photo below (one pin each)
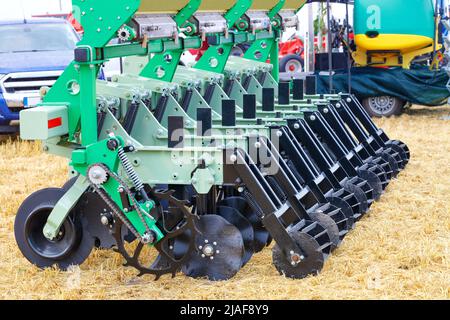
(137, 182)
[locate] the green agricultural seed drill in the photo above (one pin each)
(196, 169)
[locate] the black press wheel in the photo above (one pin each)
(73, 244)
(384, 106)
(311, 264)
(291, 63)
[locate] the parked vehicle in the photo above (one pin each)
(33, 54)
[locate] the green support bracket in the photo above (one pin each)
(237, 11)
(76, 86)
(265, 49)
(187, 12)
(101, 25)
(162, 66)
(63, 207)
(277, 8)
(216, 57)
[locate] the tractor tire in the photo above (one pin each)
(384, 106)
(291, 63)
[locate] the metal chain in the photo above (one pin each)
(114, 206)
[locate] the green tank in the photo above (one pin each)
(394, 24)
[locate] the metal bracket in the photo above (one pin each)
(64, 206)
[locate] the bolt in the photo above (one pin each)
(206, 240)
(208, 250)
(215, 243)
(104, 220)
(257, 145)
(279, 133)
(349, 100)
(203, 256)
(217, 251)
(233, 158)
(200, 247)
(296, 126)
(338, 105)
(241, 189)
(313, 118)
(212, 258)
(325, 110)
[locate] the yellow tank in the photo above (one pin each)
(393, 32)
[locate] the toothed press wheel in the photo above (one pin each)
(311, 263)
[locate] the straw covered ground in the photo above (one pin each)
(400, 250)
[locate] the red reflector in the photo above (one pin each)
(53, 123)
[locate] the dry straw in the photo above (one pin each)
(400, 250)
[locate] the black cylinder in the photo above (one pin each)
(268, 101)
(298, 89)
(311, 85)
(249, 106)
(204, 122)
(228, 113)
(284, 93)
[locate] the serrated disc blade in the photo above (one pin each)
(227, 246)
(234, 217)
(260, 234)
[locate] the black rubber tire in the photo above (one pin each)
(384, 106)
(289, 59)
(41, 203)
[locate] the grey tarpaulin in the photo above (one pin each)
(418, 85)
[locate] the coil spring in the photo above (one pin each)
(137, 182)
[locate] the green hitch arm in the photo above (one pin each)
(216, 57)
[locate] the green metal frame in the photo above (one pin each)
(216, 56)
(164, 65)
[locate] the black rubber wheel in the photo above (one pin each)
(384, 106)
(72, 246)
(313, 258)
(291, 63)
